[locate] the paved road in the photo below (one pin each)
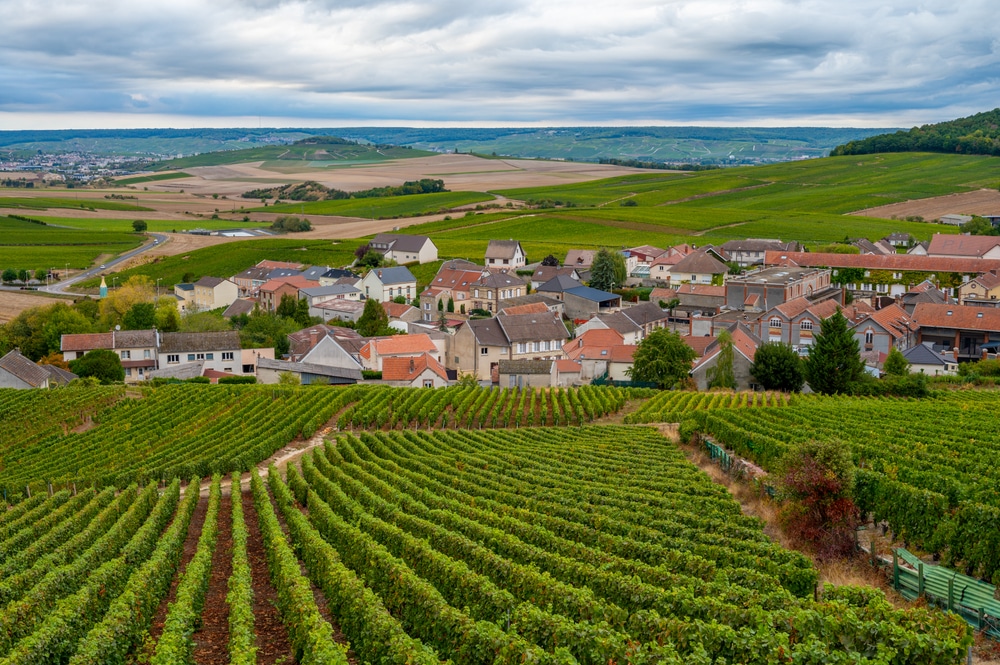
(60, 287)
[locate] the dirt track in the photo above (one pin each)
(979, 202)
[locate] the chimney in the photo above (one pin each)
(954, 353)
(313, 336)
(985, 354)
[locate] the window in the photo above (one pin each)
(427, 305)
(128, 371)
(227, 355)
(869, 337)
(694, 278)
(520, 348)
(537, 347)
(190, 357)
(505, 261)
(774, 323)
(209, 356)
(476, 293)
(806, 324)
(126, 355)
(248, 369)
(545, 345)
(145, 354)
(484, 351)
(428, 383)
(173, 358)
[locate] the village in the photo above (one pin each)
(511, 323)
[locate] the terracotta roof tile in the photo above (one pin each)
(961, 245)
(409, 368)
(404, 344)
(894, 262)
(929, 315)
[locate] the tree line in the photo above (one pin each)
(313, 191)
(975, 135)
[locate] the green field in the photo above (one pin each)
(152, 178)
(44, 203)
(157, 225)
(28, 246)
(228, 259)
(296, 152)
(382, 207)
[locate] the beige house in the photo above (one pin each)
(697, 268)
(219, 351)
(505, 255)
(527, 373)
(137, 349)
(213, 293)
(477, 348)
(404, 249)
(983, 291)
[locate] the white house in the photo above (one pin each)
(404, 248)
(384, 284)
(219, 351)
(505, 255)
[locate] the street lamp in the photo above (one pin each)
(66, 274)
(158, 287)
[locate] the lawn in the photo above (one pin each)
(32, 246)
(157, 225)
(383, 207)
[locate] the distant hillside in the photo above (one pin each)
(316, 150)
(976, 135)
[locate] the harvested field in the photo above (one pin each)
(13, 303)
(979, 202)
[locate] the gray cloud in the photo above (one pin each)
(527, 61)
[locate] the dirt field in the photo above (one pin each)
(13, 303)
(980, 202)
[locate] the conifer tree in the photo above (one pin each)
(834, 360)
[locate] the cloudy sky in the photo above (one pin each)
(186, 63)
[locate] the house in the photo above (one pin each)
(249, 358)
(964, 247)
(531, 308)
(239, 307)
(630, 331)
(542, 274)
(583, 302)
(797, 321)
(334, 275)
(270, 372)
(505, 255)
(421, 371)
(745, 345)
(648, 316)
(17, 371)
(397, 346)
(184, 292)
(775, 286)
(884, 329)
(137, 349)
(534, 336)
(220, 351)
(315, 273)
(898, 239)
(214, 292)
(527, 373)
(965, 329)
(751, 251)
(311, 345)
(250, 280)
(384, 284)
(271, 292)
(581, 259)
(659, 268)
(404, 248)
(494, 286)
(690, 299)
(699, 267)
(557, 286)
(339, 310)
(477, 347)
(866, 246)
(593, 350)
(567, 372)
(644, 255)
(922, 292)
(452, 283)
(981, 291)
(320, 294)
(399, 312)
(552, 304)
(925, 360)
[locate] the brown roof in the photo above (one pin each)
(532, 308)
(699, 263)
(498, 280)
(502, 249)
(403, 344)
(564, 366)
(895, 320)
(545, 273)
(408, 369)
(488, 332)
(645, 312)
(239, 306)
(623, 353)
(398, 242)
(395, 310)
(894, 262)
(744, 342)
(988, 280)
(698, 343)
(210, 282)
(24, 369)
(302, 342)
(532, 327)
(961, 245)
(199, 341)
(119, 339)
(525, 366)
(929, 315)
(595, 343)
(297, 281)
(580, 258)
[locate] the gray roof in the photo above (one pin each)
(498, 280)
(395, 275)
(559, 284)
(282, 272)
(337, 273)
(332, 290)
(315, 272)
(488, 332)
(309, 368)
(199, 341)
(530, 299)
(532, 327)
(239, 306)
(58, 374)
(182, 372)
(254, 273)
(619, 322)
(184, 286)
(210, 282)
(398, 242)
(923, 354)
(594, 295)
(24, 369)
(525, 366)
(645, 313)
(502, 249)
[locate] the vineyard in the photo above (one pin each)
(410, 546)
(182, 431)
(926, 468)
(671, 406)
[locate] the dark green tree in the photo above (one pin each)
(662, 358)
(302, 313)
(608, 270)
(41, 274)
(102, 364)
(723, 374)
(139, 226)
(451, 304)
(896, 364)
(550, 261)
(23, 275)
(9, 275)
(288, 306)
(140, 316)
(264, 329)
(834, 360)
(776, 366)
(373, 319)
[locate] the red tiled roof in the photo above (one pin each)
(698, 343)
(408, 369)
(961, 317)
(895, 320)
(403, 345)
(592, 342)
(298, 281)
(564, 366)
(988, 280)
(86, 341)
(894, 262)
(533, 308)
(622, 353)
(961, 245)
(395, 310)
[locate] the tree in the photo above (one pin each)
(103, 364)
(979, 226)
(23, 275)
(138, 288)
(451, 304)
(288, 306)
(204, 322)
(776, 366)
(550, 261)
(662, 358)
(265, 329)
(288, 379)
(373, 319)
(817, 478)
(140, 316)
(9, 275)
(168, 319)
(41, 274)
(302, 316)
(896, 364)
(723, 375)
(608, 270)
(139, 226)
(834, 360)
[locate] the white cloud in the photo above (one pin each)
(491, 62)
